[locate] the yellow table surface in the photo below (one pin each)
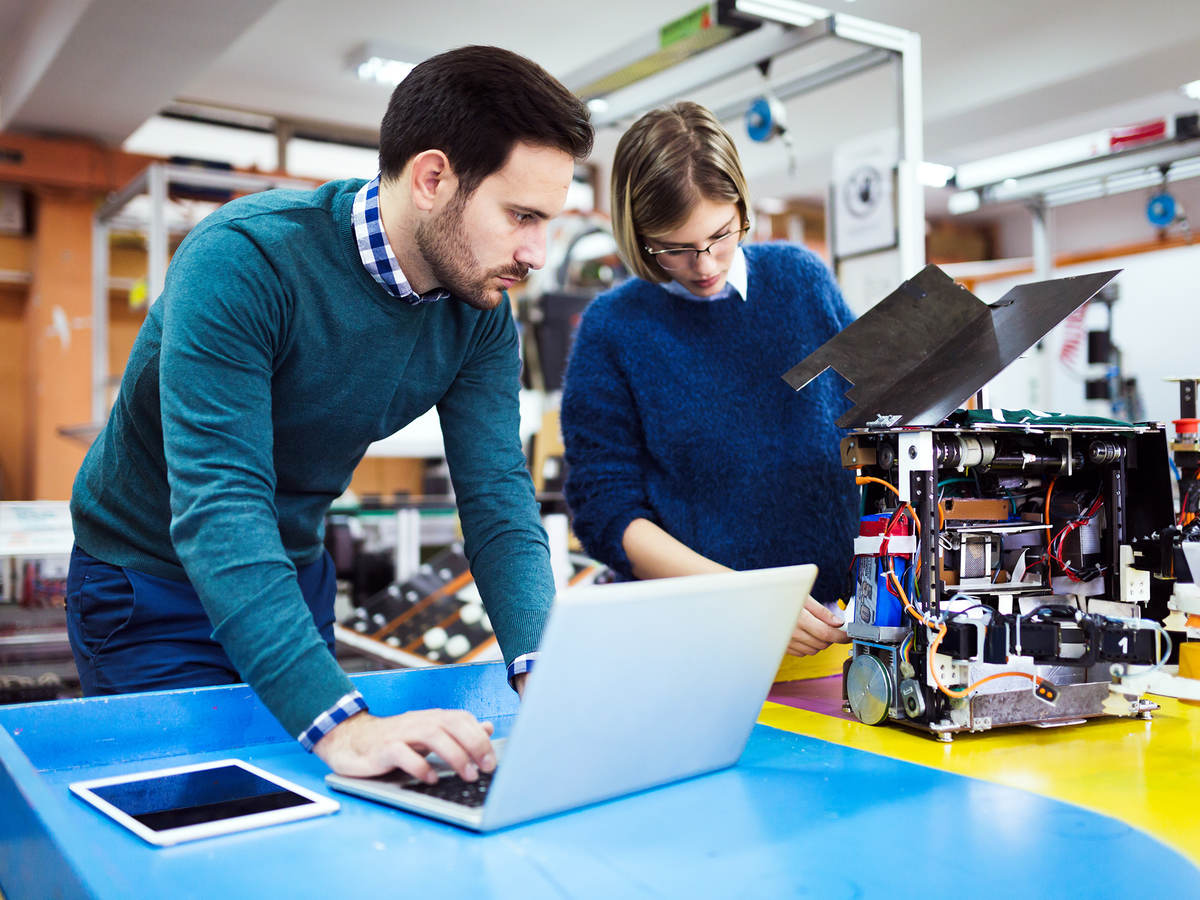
(1144, 773)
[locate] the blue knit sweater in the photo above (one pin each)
(675, 411)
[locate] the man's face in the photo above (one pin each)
(481, 245)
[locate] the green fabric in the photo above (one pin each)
(269, 363)
(1026, 417)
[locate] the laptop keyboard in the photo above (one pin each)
(454, 789)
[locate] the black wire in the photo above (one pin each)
(1051, 607)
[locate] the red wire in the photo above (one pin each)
(1055, 547)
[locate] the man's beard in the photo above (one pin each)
(443, 243)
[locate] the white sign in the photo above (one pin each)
(864, 209)
(12, 210)
(35, 528)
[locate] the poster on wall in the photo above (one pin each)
(12, 210)
(863, 204)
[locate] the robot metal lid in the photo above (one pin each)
(918, 354)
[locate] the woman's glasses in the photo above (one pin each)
(720, 248)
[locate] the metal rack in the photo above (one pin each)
(156, 181)
(1174, 157)
(755, 32)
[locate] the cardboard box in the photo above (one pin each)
(974, 509)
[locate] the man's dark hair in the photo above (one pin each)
(473, 104)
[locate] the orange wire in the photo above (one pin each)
(1185, 517)
(891, 574)
(969, 689)
(942, 632)
(870, 479)
(1046, 506)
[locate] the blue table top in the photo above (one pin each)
(796, 816)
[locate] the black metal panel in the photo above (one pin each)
(1187, 398)
(920, 353)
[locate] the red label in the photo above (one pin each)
(1123, 138)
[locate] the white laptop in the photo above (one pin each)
(637, 684)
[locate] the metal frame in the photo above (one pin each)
(1175, 158)
(787, 25)
(155, 180)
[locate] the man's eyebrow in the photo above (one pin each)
(531, 211)
(724, 229)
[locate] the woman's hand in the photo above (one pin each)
(816, 629)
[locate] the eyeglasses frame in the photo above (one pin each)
(741, 232)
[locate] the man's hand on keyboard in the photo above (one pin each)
(366, 745)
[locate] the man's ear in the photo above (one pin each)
(431, 178)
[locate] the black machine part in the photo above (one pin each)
(1045, 632)
(918, 354)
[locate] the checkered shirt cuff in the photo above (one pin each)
(325, 722)
(520, 666)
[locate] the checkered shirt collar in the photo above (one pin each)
(375, 251)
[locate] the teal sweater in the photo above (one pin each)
(270, 362)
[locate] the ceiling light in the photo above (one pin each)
(934, 174)
(597, 105)
(1185, 168)
(771, 206)
(997, 169)
(785, 11)
(1191, 90)
(963, 202)
(383, 70)
(384, 65)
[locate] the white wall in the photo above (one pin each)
(1156, 323)
(867, 279)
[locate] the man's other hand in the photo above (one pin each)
(816, 629)
(518, 684)
(366, 745)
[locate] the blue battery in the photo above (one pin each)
(877, 601)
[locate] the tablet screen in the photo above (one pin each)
(184, 803)
(198, 797)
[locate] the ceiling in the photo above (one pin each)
(997, 76)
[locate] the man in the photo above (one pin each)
(294, 329)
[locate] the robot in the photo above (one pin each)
(1005, 571)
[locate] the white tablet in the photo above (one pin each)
(167, 806)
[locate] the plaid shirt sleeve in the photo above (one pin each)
(325, 722)
(520, 666)
(354, 702)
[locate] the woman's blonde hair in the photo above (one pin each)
(666, 162)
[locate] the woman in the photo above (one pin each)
(687, 452)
